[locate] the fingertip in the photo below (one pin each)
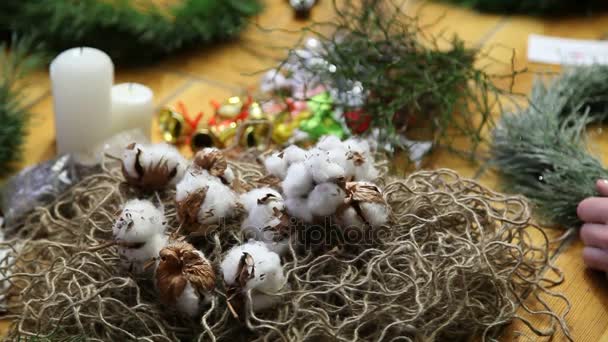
(581, 209)
(602, 187)
(595, 258)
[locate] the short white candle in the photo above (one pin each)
(132, 107)
(81, 81)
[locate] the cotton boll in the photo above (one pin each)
(184, 278)
(220, 202)
(267, 269)
(298, 207)
(322, 168)
(212, 161)
(191, 183)
(366, 172)
(138, 259)
(358, 145)
(250, 199)
(139, 234)
(298, 181)
(376, 214)
(188, 301)
(372, 208)
(265, 213)
(294, 154)
(139, 221)
(350, 219)
(152, 167)
(325, 199)
(276, 165)
(329, 142)
(204, 199)
(341, 157)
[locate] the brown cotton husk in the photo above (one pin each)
(456, 263)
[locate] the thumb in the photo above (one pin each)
(602, 187)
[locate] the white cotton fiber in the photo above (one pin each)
(366, 172)
(138, 221)
(376, 214)
(341, 157)
(298, 181)
(129, 156)
(329, 142)
(276, 165)
(321, 167)
(191, 183)
(298, 207)
(188, 302)
(325, 199)
(250, 199)
(153, 155)
(269, 276)
(264, 207)
(220, 202)
(358, 145)
(294, 154)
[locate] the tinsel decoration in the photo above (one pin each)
(16, 62)
(542, 8)
(389, 78)
(131, 32)
(541, 151)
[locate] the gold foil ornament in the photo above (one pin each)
(255, 111)
(231, 108)
(172, 125)
(285, 125)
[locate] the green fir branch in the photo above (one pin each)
(16, 62)
(131, 32)
(541, 152)
(415, 82)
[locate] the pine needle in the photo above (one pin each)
(131, 32)
(14, 116)
(541, 151)
(422, 86)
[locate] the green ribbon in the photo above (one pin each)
(321, 121)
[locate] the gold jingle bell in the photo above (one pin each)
(231, 108)
(172, 125)
(215, 136)
(203, 138)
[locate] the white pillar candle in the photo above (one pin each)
(81, 81)
(132, 107)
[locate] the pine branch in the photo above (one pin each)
(131, 32)
(415, 84)
(15, 64)
(540, 151)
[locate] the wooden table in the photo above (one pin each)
(216, 73)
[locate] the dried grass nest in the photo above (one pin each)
(456, 263)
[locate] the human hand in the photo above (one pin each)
(593, 211)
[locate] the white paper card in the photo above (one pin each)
(555, 50)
